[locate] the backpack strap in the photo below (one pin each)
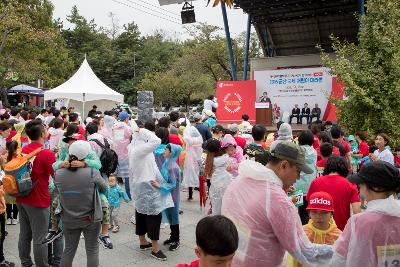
(99, 143)
(33, 153)
(107, 145)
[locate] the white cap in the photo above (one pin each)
(79, 149)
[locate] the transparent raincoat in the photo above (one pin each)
(192, 165)
(170, 185)
(267, 221)
(371, 238)
(220, 180)
(142, 170)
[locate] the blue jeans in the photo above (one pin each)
(127, 188)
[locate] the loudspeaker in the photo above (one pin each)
(188, 16)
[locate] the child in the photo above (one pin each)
(114, 195)
(3, 262)
(326, 151)
(11, 206)
(217, 240)
(21, 138)
(5, 130)
(215, 170)
(235, 153)
(170, 185)
(55, 134)
(321, 228)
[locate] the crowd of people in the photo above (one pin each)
(319, 197)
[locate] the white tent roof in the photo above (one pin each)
(84, 86)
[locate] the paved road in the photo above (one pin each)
(126, 246)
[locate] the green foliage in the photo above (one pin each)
(31, 46)
(371, 72)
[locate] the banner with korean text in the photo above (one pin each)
(287, 87)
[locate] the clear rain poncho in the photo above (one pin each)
(371, 238)
(267, 221)
(142, 170)
(220, 179)
(193, 162)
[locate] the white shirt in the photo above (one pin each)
(385, 155)
(209, 104)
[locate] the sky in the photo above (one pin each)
(135, 10)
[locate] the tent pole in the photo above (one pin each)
(83, 108)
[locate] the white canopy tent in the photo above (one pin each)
(85, 89)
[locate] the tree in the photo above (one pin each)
(31, 46)
(371, 72)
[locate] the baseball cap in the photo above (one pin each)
(123, 116)
(379, 174)
(291, 152)
(320, 201)
(212, 145)
(80, 149)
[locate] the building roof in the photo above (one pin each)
(295, 27)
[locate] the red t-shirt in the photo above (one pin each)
(343, 193)
(335, 151)
(346, 145)
(316, 143)
(396, 161)
(11, 135)
(321, 163)
(193, 264)
(363, 149)
(81, 130)
(41, 170)
(240, 141)
(174, 139)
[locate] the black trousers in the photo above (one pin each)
(149, 224)
(314, 116)
(174, 232)
(3, 235)
(12, 211)
(297, 116)
(190, 192)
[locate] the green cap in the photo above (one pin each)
(291, 152)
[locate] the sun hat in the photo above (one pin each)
(285, 132)
(79, 149)
(320, 201)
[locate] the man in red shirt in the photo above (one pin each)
(240, 141)
(34, 208)
(344, 193)
(217, 240)
(363, 148)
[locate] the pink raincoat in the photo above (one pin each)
(55, 137)
(106, 131)
(267, 221)
(122, 134)
(371, 238)
(193, 163)
(234, 159)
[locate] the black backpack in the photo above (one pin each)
(108, 158)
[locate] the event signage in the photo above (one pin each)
(262, 105)
(287, 87)
(235, 98)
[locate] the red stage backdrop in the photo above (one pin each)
(236, 98)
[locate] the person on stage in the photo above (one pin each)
(305, 113)
(295, 114)
(265, 98)
(315, 113)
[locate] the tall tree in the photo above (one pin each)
(31, 46)
(371, 72)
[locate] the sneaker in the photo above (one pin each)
(145, 247)
(5, 263)
(168, 241)
(181, 212)
(14, 221)
(111, 227)
(51, 236)
(82, 236)
(159, 255)
(105, 241)
(133, 219)
(115, 229)
(9, 221)
(174, 246)
(190, 199)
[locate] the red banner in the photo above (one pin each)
(236, 98)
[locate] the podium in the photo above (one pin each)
(263, 113)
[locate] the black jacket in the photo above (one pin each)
(305, 111)
(295, 111)
(316, 111)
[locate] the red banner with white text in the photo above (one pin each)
(236, 98)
